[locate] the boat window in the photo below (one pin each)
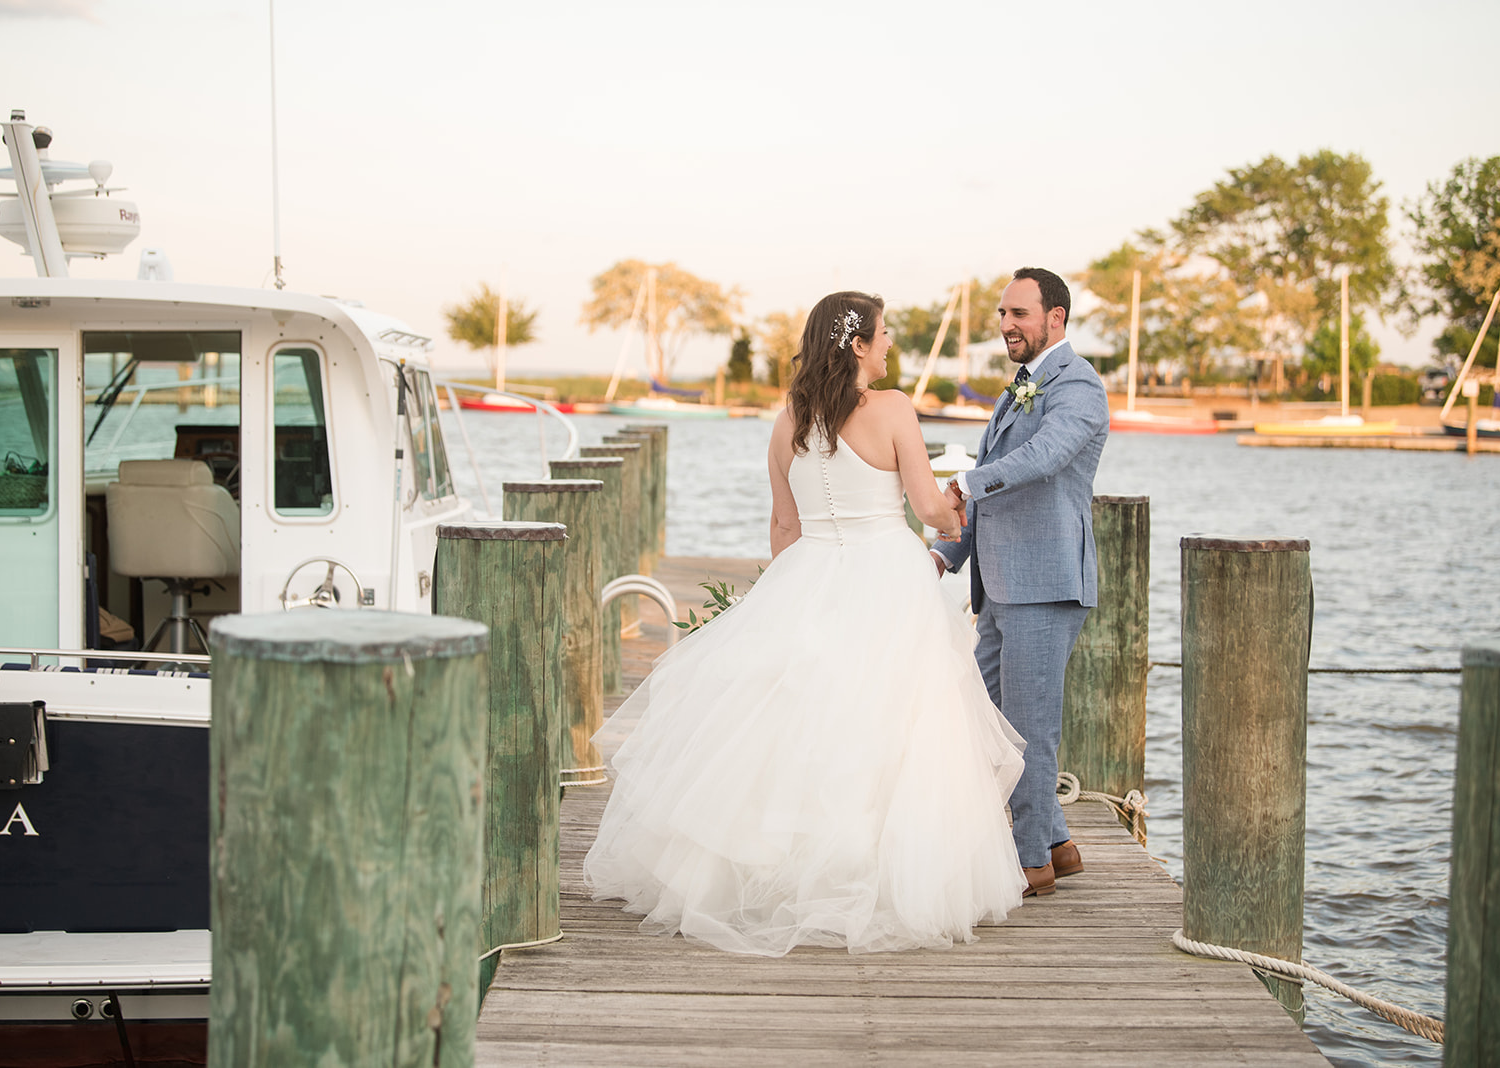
(304, 478)
(28, 497)
(154, 394)
(26, 431)
(428, 452)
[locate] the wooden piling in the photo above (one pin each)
(1246, 626)
(613, 552)
(509, 576)
(1471, 1033)
(630, 522)
(347, 808)
(659, 482)
(1104, 691)
(572, 502)
(646, 535)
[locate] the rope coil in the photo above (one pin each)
(1427, 1027)
(1131, 809)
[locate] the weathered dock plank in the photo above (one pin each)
(1086, 977)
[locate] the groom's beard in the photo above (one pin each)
(1031, 349)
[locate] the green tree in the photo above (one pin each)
(741, 368)
(473, 321)
(914, 327)
(1283, 232)
(1322, 357)
(1186, 314)
(685, 305)
(1457, 235)
(780, 337)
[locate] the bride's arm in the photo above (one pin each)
(927, 501)
(785, 526)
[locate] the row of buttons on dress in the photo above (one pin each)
(828, 491)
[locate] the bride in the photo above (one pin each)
(822, 764)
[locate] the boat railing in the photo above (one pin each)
(125, 655)
(543, 409)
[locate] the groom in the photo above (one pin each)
(1030, 538)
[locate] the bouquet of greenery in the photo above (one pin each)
(721, 598)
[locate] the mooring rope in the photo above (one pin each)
(1427, 1027)
(1131, 808)
(1347, 671)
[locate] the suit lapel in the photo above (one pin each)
(1059, 358)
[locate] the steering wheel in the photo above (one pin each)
(230, 466)
(327, 593)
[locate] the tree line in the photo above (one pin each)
(1247, 274)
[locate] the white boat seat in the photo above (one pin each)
(169, 521)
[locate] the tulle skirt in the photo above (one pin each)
(820, 765)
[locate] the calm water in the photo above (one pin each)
(1405, 568)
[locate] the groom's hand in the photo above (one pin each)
(955, 498)
(942, 565)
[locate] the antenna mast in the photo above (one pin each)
(275, 167)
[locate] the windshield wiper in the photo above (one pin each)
(106, 400)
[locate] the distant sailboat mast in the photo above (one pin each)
(635, 318)
(963, 336)
(1344, 343)
(937, 344)
(1135, 336)
(1473, 352)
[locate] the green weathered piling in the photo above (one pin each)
(573, 503)
(630, 523)
(347, 808)
(1471, 1033)
(509, 576)
(1104, 692)
(614, 550)
(646, 512)
(1246, 625)
(658, 483)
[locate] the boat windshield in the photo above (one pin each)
(430, 456)
(154, 394)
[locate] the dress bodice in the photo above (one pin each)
(841, 498)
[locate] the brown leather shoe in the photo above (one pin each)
(1039, 881)
(1065, 859)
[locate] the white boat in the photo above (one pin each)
(654, 407)
(169, 452)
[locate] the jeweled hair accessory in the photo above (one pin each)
(845, 327)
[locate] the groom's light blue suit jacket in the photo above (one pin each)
(1031, 529)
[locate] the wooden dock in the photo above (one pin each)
(1407, 443)
(1087, 976)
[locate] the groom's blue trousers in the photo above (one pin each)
(1023, 654)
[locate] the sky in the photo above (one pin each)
(787, 149)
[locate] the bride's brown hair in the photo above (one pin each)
(824, 390)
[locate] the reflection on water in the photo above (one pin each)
(1405, 571)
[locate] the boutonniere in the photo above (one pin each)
(1026, 393)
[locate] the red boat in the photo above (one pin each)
(505, 402)
(1151, 423)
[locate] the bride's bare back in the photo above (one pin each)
(883, 432)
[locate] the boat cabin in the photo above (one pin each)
(258, 447)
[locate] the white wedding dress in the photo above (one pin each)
(821, 764)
